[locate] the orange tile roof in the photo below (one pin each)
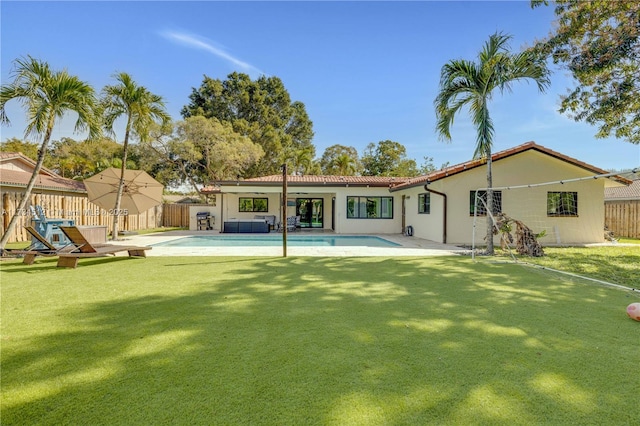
(310, 180)
(398, 183)
(459, 168)
(47, 179)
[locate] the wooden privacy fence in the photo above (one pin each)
(623, 218)
(177, 214)
(73, 206)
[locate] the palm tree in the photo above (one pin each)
(302, 160)
(345, 165)
(140, 108)
(472, 84)
(47, 96)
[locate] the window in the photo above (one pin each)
(370, 207)
(254, 205)
(482, 200)
(424, 203)
(562, 204)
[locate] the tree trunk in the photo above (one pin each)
(490, 250)
(22, 208)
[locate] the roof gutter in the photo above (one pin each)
(278, 184)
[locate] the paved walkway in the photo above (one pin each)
(410, 246)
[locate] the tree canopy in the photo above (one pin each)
(261, 110)
(340, 160)
(598, 41)
(388, 158)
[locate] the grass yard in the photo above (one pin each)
(303, 341)
(613, 264)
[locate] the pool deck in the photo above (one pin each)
(409, 246)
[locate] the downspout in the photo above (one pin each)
(444, 220)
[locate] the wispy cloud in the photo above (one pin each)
(197, 42)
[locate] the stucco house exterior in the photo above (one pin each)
(436, 206)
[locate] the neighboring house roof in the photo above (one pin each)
(181, 199)
(631, 192)
(10, 175)
(459, 168)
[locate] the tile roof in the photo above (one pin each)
(459, 168)
(375, 180)
(47, 179)
(631, 192)
(311, 180)
(398, 183)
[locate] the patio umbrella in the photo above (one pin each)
(140, 192)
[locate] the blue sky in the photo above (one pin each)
(366, 71)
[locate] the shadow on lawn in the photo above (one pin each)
(325, 341)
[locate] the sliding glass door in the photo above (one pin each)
(310, 211)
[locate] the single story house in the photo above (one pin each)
(437, 206)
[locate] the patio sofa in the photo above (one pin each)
(254, 226)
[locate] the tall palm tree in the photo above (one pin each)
(140, 108)
(472, 84)
(46, 95)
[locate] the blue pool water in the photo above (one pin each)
(276, 240)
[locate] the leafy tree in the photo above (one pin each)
(225, 153)
(340, 160)
(204, 149)
(599, 42)
(83, 159)
(140, 108)
(428, 166)
(471, 84)
(388, 158)
(46, 95)
(160, 158)
(261, 110)
(29, 149)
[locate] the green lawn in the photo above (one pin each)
(613, 264)
(302, 341)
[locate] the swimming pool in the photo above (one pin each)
(276, 240)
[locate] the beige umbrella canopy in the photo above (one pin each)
(140, 192)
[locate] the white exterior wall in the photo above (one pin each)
(230, 202)
(528, 205)
(212, 210)
(425, 225)
(329, 194)
(346, 225)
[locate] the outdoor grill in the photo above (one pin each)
(205, 221)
